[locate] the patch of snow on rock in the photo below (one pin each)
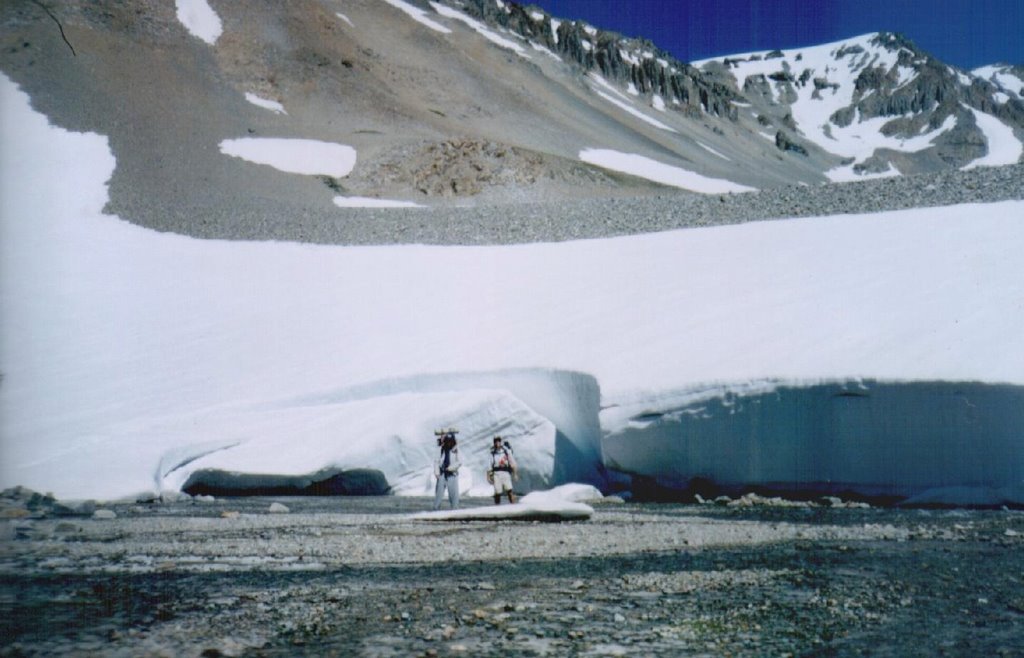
(418, 15)
(1009, 83)
(199, 19)
(621, 101)
(265, 103)
(370, 202)
(711, 150)
(480, 29)
(659, 172)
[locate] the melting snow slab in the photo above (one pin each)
(523, 511)
(558, 504)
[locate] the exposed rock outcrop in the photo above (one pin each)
(624, 60)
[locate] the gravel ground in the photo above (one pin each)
(511, 223)
(356, 576)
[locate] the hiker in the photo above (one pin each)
(446, 470)
(503, 469)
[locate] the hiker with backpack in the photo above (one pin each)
(446, 470)
(503, 469)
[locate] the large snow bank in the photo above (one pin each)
(126, 353)
(549, 417)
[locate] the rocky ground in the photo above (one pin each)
(519, 220)
(357, 576)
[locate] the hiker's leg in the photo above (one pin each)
(453, 491)
(439, 492)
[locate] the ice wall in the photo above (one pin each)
(927, 442)
(570, 400)
(550, 417)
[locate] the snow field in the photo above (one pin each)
(126, 352)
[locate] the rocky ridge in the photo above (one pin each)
(520, 220)
(633, 63)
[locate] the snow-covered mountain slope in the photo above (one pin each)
(460, 102)
(881, 104)
(133, 359)
(438, 105)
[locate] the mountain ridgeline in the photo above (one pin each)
(624, 60)
(878, 76)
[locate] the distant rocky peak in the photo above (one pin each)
(881, 103)
(894, 41)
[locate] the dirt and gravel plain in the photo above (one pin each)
(359, 577)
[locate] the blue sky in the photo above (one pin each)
(965, 33)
